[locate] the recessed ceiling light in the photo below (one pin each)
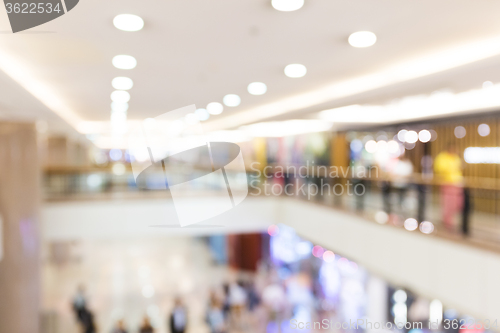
(128, 22)
(411, 137)
(483, 130)
(402, 134)
(122, 83)
(215, 108)
(202, 114)
(487, 84)
(424, 136)
(118, 117)
(362, 39)
(257, 88)
(430, 63)
(231, 100)
(295, 70)
(287, 5)
(124, 61)
(119, 107)
(460, 132)
(371, 146)
(120, 96)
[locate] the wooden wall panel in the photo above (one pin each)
(19, 208)
(477, 175)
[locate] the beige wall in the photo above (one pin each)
(19, 205)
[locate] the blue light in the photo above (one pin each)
(129, 157)
(284, 244)
(356, 146)
(416, 330)
(115, 154)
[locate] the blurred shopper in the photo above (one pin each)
(419, 311)
(215, 317)
(178, 318)
(87, 321)
(226, 307)
(275, 300)
(400, 174)
(237, 296)
(238, 301)
(253, 297)
(385, 186)
(79, 303)
(120, 327)
(146, 326)
(448, 168)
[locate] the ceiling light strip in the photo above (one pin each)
(20, 73)
(417, 67)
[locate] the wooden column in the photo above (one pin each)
(19, 205)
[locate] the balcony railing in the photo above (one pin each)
(417, 205)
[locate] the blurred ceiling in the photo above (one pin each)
(197, 51)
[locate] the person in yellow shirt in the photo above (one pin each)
(448, 169)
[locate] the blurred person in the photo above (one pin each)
(275, 300)
(87, 321)
(237, 302)
(466, 209)
(215, 317)
(120, 327)
(212, 297)
(419, 310)
(362, 167)
(79, 302)
(226, 307)
(400, 174)
(448, 168)
(237, 296)
(253, 297)
(385, 187)
(178, 318)
(146, 326)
